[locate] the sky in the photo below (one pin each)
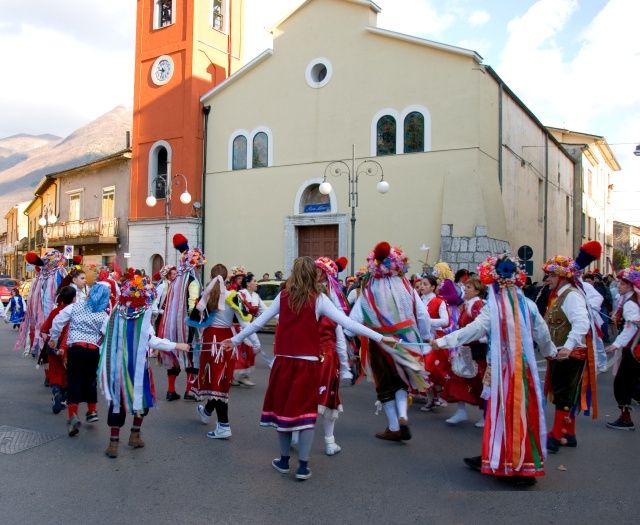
(574, 63)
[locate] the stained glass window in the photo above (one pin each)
(240, 153)
(386, 136)
(260, 150)
(414, 132)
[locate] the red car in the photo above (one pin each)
(6, 285)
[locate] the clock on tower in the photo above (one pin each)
(183, 49)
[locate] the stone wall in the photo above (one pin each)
(468, 252)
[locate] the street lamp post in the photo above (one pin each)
(368, 167)
(48, 217)
(185, 198)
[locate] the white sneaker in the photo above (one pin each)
(479, 423)
(458, 417)
(220, 432)
(245, 381)
(331, 448)
(204, 417)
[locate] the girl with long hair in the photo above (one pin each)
(291, 400)
(217, 363)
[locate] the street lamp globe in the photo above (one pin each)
(382, 186)
(325, 188)
(185, 198)
(42, 221)
(151, 201)
(53, 219)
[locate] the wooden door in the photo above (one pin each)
(317, 241)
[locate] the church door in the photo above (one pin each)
(317, 241)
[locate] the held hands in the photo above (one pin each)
(227, 345)
(182, 347)
(389, 340)
(610, 349)
(563, 353)
(434, 344)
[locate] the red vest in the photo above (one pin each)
(465, 317)
(297, 334)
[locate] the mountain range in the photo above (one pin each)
(26, 159)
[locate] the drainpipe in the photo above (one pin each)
(205, 110)
(546, 197)
(500, 94)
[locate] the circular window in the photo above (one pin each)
(318, 72)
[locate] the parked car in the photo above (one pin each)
(25, 288)
(6, 285)
(268, 290)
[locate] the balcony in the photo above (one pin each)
(87, 231)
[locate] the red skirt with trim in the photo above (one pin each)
(329, 403)
(216, 371)
(246, 360)
(437, 364)
(464, 389)
(291, 400)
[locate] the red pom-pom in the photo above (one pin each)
(593, 248)
(131, 273)
(156, 276)
(31, 257)
(382, 250)
(179, 239)
(341, 263)
(77, 259)
(103, 275)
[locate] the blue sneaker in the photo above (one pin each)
(280, 466)
(303, 473)
(56, 406)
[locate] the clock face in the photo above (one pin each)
(162, 70)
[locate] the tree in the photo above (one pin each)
(620, 260)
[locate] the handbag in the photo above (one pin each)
(462, 364)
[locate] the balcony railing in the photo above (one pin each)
(85, 229)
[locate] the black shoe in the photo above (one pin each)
(621, 424)
(405, 433)
(92, 417)
(172, 396)
(189, 396)
(46, 383)
(523, 481)
(569, 441)
(553, 444)
(474, 463)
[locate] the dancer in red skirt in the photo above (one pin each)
(334, 362)
(514, 437)
(57, 369)
(467, 390)
(217, 364)
(291, 400)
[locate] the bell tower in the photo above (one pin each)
(183, 49)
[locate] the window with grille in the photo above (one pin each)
(386, 136)
(240, 153)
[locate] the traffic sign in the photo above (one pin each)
(68, 251)
(525, 252)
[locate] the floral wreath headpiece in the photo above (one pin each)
(327, 265)
(503, 270)
(136, 295)
(562, 266)
(238, 271)
(192, 258)
(631, 275)
(387, 261)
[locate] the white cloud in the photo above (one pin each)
(415, 17)
(482, 46)
(478, 18)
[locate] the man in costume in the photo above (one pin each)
(570, 384)
(182, 296)
(389, 305)
(513, 443)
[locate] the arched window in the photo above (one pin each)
(160, 178)
(239, 153)
(312, 201)
(260, 150)
(386, 135)
(414, 132)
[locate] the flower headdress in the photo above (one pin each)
(503, 270)
(164, 271)
(191, 259)
(327, 265)
(562, 266)
(387, 261)
(136, 295)
(631, 275)
(238, 271)
(53, 259)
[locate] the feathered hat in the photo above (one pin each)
(327, 265)
(503, 270)
(33, 258)
(562, 266)
(589, 252)
(180, 243)
(387, 261)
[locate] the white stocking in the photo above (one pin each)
(392, 415)
(402, 403)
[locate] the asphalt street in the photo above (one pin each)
(181, 476)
